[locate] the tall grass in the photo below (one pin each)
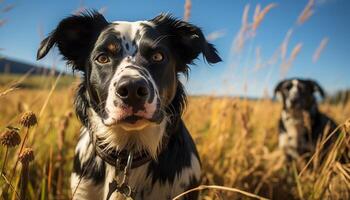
(237, 141)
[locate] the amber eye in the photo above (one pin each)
(157, 57)
(103, 59)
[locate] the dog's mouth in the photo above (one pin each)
(295, 104)
(133, 121)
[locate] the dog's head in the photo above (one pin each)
(130, 68)
(298, 93)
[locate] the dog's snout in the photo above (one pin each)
(133, 90)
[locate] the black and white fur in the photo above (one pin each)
(131, 98)
(301, 124)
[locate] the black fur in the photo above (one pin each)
(187, 39)
(75, 37)
(174, 157)
(90, 169)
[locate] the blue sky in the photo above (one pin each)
(20, 37)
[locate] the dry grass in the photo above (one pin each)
(320, 49)
(236, 139)
(307, 12)
(187, 10)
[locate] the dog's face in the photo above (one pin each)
(133, 74)
(130, 68)
(298, 94)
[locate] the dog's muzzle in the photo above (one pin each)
(133, 92)
(133, 101)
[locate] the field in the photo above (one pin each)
(236, 138)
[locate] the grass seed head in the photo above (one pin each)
(26, 156)
(28, 119)
(10, 138)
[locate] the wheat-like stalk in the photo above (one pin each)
(320, 49)
(307, 12)
(260, 15)
(187, 8)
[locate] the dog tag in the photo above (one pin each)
(124, 189)
(127, 192)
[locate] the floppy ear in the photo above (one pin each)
(316, 88)
(187, 39)
(74, 37)
(277, 94)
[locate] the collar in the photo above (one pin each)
(119, 158)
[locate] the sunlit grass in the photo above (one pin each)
(236, 139)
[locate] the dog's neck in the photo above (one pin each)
(149, 139)
(299, 114)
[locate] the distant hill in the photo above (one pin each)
(11, 66)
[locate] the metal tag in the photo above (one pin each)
(123, 187)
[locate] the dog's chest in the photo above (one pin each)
(295, 129)
(162, 179)
(295, 139)
(146, 186)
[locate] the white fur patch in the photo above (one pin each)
(129, 30)
(83, 147)
(293, 139)
(292, 93)
(87, 189)
(148, 139)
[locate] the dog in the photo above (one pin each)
(301, 124)
(133, 142)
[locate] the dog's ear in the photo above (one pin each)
(187, 39)
(74, 37)
(316, 87)
(277, 93)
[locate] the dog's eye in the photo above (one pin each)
(103, 59)
(157, 57)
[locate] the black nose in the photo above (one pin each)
(132, 91)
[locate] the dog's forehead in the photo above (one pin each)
(131, 33)
(131, 29)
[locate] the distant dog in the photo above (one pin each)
(133, 141)
(301, 124)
